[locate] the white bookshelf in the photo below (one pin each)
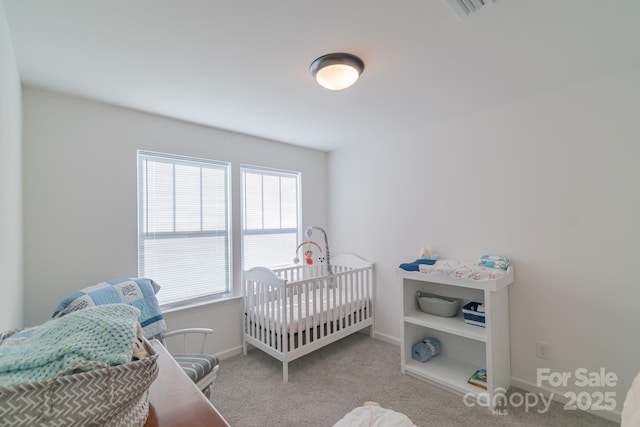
(465, 348)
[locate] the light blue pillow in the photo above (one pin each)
(139, 293)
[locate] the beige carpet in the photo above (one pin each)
(326, 385)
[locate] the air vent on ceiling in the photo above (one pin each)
(465, 8)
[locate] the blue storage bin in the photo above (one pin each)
(474, 314)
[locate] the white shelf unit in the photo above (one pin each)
(465, 348)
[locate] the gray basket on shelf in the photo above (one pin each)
(438, 305)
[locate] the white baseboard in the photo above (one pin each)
(558, 396)
(386, 338)
(229, 353)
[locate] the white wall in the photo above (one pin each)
(80, 199)
(550, 181)
(10, 183)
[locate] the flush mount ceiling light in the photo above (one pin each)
(337, 71)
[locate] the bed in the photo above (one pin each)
(292, 311)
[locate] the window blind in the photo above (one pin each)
(270, 216)
(183, 226)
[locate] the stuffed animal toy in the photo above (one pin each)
(424, 253)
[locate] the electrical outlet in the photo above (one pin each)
(542, 350)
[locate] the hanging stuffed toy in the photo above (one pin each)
(308, 253)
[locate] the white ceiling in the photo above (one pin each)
(244, 65)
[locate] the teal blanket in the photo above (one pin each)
(103, 333)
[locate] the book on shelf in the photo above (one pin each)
(479, 379)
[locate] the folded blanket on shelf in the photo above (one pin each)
(494, 261)
(425, 349)
(415, 266)
(140, 293)
(83, 339)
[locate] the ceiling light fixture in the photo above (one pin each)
(337, 71)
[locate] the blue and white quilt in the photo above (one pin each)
(139, 293)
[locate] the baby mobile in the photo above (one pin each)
(308, 253)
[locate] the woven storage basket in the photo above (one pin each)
(111, 396)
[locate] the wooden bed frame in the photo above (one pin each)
(290, 312)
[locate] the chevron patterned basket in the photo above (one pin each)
(112, 396)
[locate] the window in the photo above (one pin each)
(183, 226)
(270, 216)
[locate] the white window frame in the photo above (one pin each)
(144, 235)
(288, 254)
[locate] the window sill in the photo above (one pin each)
(177, 307)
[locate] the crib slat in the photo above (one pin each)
(349, 298)
(254, 314)
(343, 292)
(261, 315)
(266, 319)
(257, 312)
(299, 290)
(304, 309)
(326, 309)
(274, 315)
(280, 322)
(313, 286)
(288, 314)
(314, 311)
(358, 310)
(364, 296)
(370, 296)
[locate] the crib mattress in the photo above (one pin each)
(308, 309)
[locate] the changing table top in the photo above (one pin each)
(461, 273)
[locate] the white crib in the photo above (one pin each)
(293, 311)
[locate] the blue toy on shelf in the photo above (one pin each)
(426, 349)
